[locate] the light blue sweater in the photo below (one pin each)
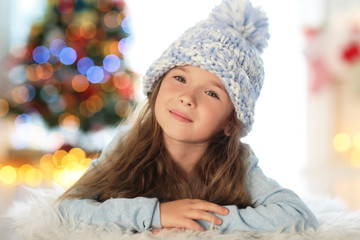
(273, 209)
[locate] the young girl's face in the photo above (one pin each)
(192, 105)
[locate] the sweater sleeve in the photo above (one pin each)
(273, 208)
(137, 214)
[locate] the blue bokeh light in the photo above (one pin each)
(17, 75)
(56, 46)
(126, 25)
(124, 44)
(31, 91)
(68, 56)
(41, 54)
(84, 64)
(111, 63)
(95, 74)
(22, 119)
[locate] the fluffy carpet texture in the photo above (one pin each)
(36, 218)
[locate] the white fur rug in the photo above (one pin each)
(36, 219)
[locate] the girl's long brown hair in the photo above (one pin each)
(141, 166)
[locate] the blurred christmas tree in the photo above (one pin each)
(72, 71)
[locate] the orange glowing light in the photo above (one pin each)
(355, 158)
(72, 32)
(8, 175)
(23, 170)
(4, 107)
(20, 94)
(97, 101)
(342, 142)
(121, 80)
(110, 19)
(46, 163)
(31, 73)
(84, 111)
(105, 5)
(44, 71)
(69, 122)
(33, 177)
(80, 83)
(90, 106)
(88, 30)
(58, 156)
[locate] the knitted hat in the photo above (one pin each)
(229, 44)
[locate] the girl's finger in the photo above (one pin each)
(204, 215)
(192, 225)
(210, 207)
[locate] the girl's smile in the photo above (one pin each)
(182, 117)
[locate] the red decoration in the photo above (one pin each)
(351, 53)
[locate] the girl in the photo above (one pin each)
(182, 164)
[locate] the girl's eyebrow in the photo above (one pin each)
(181, 69)
(219, 85)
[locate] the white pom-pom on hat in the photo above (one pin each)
(250, 22)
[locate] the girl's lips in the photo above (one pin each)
(180, 116)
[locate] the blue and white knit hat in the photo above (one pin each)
(229, 44)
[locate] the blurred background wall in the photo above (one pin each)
(71, 71)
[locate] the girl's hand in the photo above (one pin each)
(182, 213)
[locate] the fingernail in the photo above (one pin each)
(226, 211)
(218, 221)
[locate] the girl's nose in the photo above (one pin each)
(187, 100)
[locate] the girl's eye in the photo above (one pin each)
(180, 79)
(212, 94)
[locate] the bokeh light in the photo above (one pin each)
(8, 175)
(41, 54)
(88, 30)
(69, 122)
(64, 6)
(121, 80)
(111, 63)
(84, 64)
(126, 25)
(17, 74)
(80, 83)
(111, 47)
(68, 56)
(33, 177)
(110, 19)
(72, 32)
(63, 168)
(23, 170)
(22, 119)
(31, 73)
(95, 74)
(44, 71)
(342, 142)
(56, 46)
(355, 158)
(24, 93)
(105, 5)
(4, 107)
(125, 44)
(357, 141)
